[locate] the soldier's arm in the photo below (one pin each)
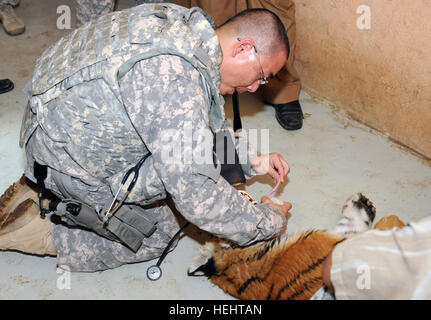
(165, 110)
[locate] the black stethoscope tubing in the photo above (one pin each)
(154, 272)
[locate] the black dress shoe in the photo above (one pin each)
(5, 85)
(289, 115)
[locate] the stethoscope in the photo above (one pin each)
(104, 217)
(154, 272)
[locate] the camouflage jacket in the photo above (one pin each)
(74, 95)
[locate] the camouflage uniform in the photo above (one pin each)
(87, 10)
(93, 146)
(10, 2)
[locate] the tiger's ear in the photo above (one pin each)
(203, 264)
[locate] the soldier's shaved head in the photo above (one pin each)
(255, 47)
(261, 25)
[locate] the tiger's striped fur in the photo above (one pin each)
(289, 267)
(284, 268)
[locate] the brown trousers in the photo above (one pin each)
(285, 87)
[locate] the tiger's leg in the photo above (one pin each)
(358, 214)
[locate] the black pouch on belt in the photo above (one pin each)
(131, 224)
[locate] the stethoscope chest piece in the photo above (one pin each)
(154, 273)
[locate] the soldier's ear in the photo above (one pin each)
(242, 46)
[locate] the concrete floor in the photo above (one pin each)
(330, 158)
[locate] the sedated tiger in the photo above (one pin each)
(288, 267)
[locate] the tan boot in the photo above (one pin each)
(21, 227)
(11, 23)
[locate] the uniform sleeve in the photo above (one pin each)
(169, 109)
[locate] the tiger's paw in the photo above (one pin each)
(358, 214)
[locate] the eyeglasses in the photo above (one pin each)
(263, 79)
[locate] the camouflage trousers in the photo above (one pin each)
(87, 10)
(10, 2)
(97, 253)
(79, 249)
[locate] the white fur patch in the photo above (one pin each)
(206, 252)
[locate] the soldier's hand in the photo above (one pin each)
(271, 163)
(284, 208)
